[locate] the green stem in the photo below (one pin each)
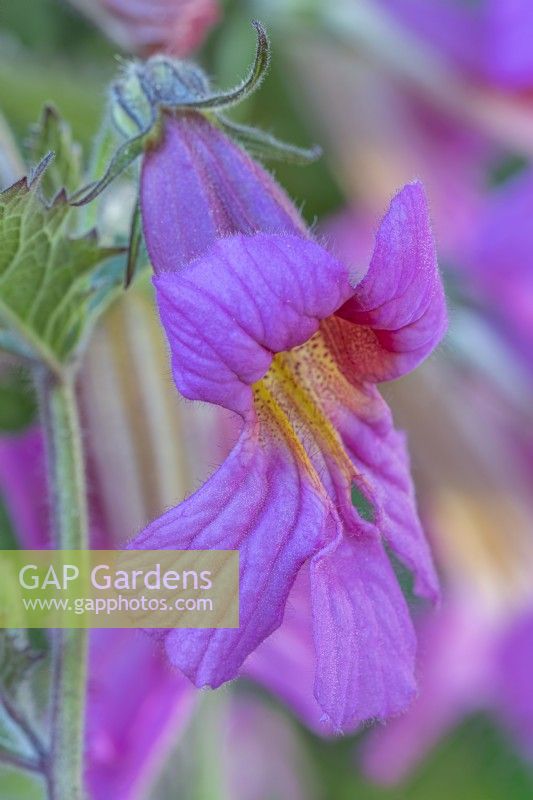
(69, 509)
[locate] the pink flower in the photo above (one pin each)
(427, 111)
(513, 698)
(264, 322)
(146, 26)
(491, 39)
(259, 753)
(496, 260)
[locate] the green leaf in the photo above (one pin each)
(17, 658)
(8, 538)
(18, 405)
(53, 134)
(21, 785)
(48, 280)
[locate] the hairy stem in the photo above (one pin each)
(69, 508)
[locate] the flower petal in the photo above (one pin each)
(379, 453)
(263, 502)
(148, 26)
(364, 638)
(22, 484)
(398, 308)
(138, 708)
(370, 461)
(399, 314)
(249, 297)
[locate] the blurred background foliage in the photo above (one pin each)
(48, 53)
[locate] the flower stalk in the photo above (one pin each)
(69, 512)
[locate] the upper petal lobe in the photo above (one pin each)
(248, 298)
(399, 307)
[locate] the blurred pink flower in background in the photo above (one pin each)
(491, 39)
(143, 27)
(403, 133)
(250, 729)
(496, 260)
(455, 650)
(514, 668)
(136, 707)
(402, 109)
(137, 710)
(469, 663)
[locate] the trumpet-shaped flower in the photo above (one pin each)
(264, 322)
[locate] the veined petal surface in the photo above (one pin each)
(253, 326)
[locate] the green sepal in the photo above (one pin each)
(134, 245)
(232, 97)
(265, 146)
(120, 161)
